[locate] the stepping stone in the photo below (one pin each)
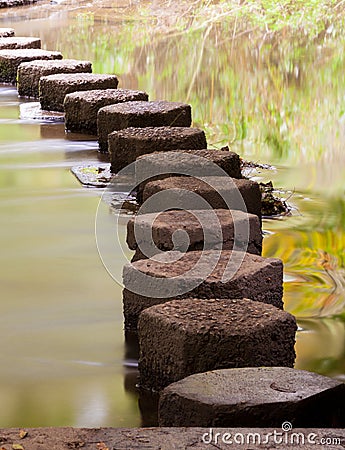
(202, 274)
(157, 166)
(12, 43)
(81, 108)
(128, 144)
(218, 192)
(6, 32)
(181, 338)
(141, 114)
(149, 234)
(54, 88)
(11, 59)
(29, 73)
(253, 397)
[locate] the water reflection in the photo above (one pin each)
(276, 101)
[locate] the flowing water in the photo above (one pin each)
(63, 358)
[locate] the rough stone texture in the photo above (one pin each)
(13, 3)
(152, 232)
(11, 43)
(81, 108)
(181, 338)
(208, 162)
(141, 114)
(11, 59)
(257, 278)
(54, 88)
(64, 438)
(128, 144)
(219, 193)
(253, 397)
(6, 32)
(29, 73)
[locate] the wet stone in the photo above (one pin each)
(181, 338)
(81, 108)
(207, 162)
(11, 59)
(201, 274)
(29, 73)
(128, 144)
(141, 114)
(218, 193)
(93, 175)
(11, 43)
(148, 234)
(253, 397)
(6, 32)
(54, 88)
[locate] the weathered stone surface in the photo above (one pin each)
(11, 59)
(128, 144)
(141, 114)
(6, 32)
(150, 282)
(11, 43)
(13, 3)
(93, 175)
(181, 338)
(63, 438)
(29, 73)
(148, 234)
(219, 193)
(208, 162)
(54, 88)
(253, 397)
(81, 108)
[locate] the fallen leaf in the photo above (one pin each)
(23, 434)
(17, 447)
(102, 446)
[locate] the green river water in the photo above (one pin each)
(63, 358)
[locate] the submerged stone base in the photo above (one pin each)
(252, 397)
(29, 73)
(128, 144)
(64, 438)
(54, 88)
(81, 108)
(183, 230)
(11, 59)
(141, 114)
(11, 43)
(184, 337)
(199, 274)
(6, 32)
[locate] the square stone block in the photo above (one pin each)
(189, 336)
(141, 114)
(128, 144)
(6, 32)
(11, 43)
(187, 230)
(29, 73)
(81, 108)
(11, 59)
(201, 274)
(54, 88)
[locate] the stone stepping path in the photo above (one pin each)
(198, 163)
(6, 32)
(126, 145)
(141, 114)
(181, 338)
(81, 108)
(253, 397)
(29, 73)
(206, 229)
(54, 88)
(218, 192)
(199, 274)
(11, 43)
(11, 59)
